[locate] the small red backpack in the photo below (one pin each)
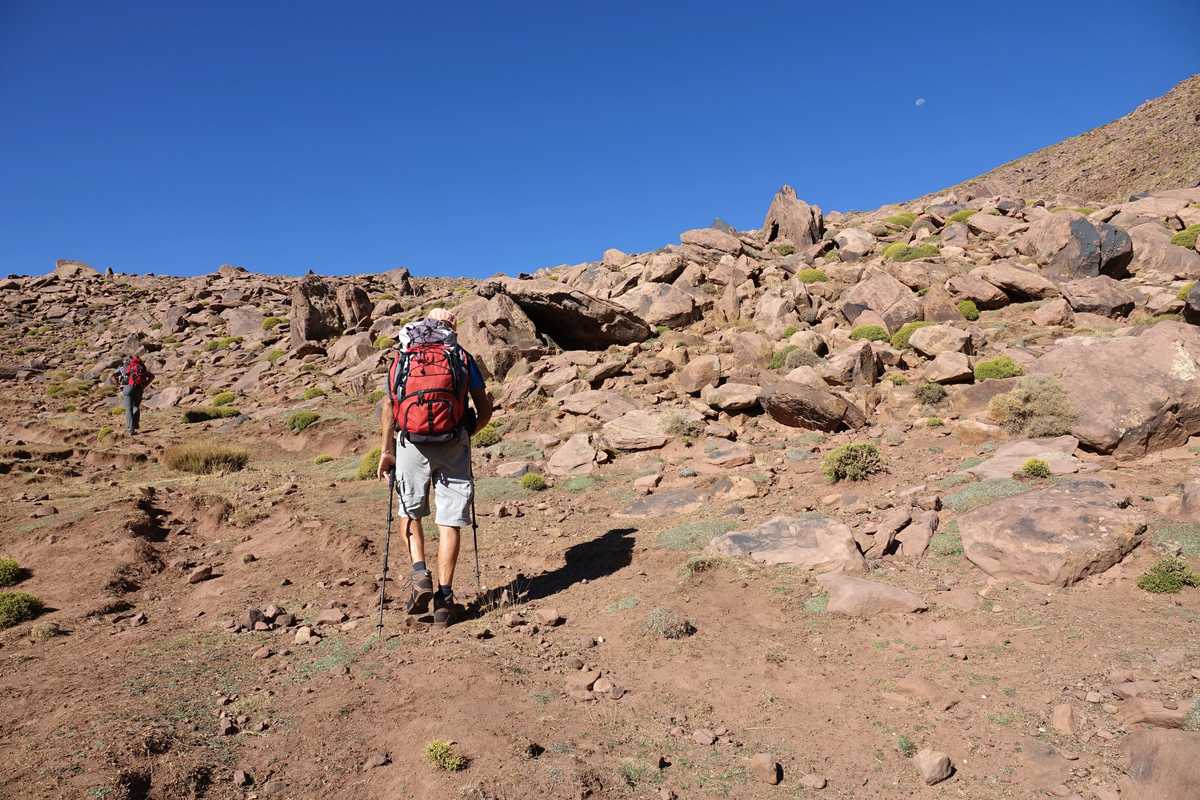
(136, 374)
(427, 384)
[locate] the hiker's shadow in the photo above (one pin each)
(588, 561)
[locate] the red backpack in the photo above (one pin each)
(427, 384)
(136, 374)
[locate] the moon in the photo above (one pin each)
(919, 102)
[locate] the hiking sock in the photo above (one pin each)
(419, 566)
(447, 594)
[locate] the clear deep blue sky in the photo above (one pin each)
(469, 138)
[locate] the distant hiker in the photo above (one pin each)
(427, 429)
(133, 377)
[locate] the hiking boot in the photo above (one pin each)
(444, 610)
(422, 593)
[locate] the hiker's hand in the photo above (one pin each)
(386, 462)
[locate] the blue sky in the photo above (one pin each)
(474, 138)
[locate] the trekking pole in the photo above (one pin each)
(474, 523)
(387, 539)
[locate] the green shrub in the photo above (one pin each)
(10, 572)
(903, 219)
(968, 309)
(961, 216)
(104, 432)
(313, 392)
(997, 368)
(368, 464)
(1185, 290)
(206, 413)
(790, 330)
(668, 624)
(443, 756)
(301, 420)
(223, 398)
(982, 493)
(896, 379)
(274, 354)
(18, 607)
(853, 462)
(870, 333)
(1037, 406)
(899, 251)
(202, 458)
(905, 746)
(324, 458)
(270, 323)
(486, 436)
(222, 343)
(779, 357)
(934, 422)
(1168, 576)
(931, 393)
(1187, 237)
(1035, 468)
(384, 342)
(900, 338)
(811, 275)
(533, 482)
(784, 249)
(375, 396)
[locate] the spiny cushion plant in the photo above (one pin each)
(533, 482)
(202, 458)
(442, 755)
(1187, 237)
(270, 323)
(206, 413)
(368, 464)
(10, 571)
(18, 607)
(931, 393)
(899, 251)
(1168, 576)
(1035, 468)
(384, 342)
(811, 275)
(486, 436)
(903, 219)
(900, 338)
(996, 368)
(301, 420)
(1185, 290)
(223, 398)
(1037, 406)
(313, 392)
(869, 333)
(961, 216)
(968, 309)
(856, 462)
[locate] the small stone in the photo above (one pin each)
(377, 760)
(200, 573)
(934, 766)
(304, 635)
(583, 680)
(814, 781)
(1094, 697)
(548, 616)
(1062, 719)
(242, 778)
(225, 727)
(703, 736)
(331, 616)
(765, 768)
(263, 652)
(603, 686)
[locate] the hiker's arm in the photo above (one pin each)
(387, 447)
(483, 407)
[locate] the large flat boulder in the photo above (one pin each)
(1099, 295)
(498, 333)
(800, 405)
(573, 319)
(660, 304)
(1018, 283)
(687, 499)
(1009, 457)
(1054, 536)
(894, 302)
(712, 239)
(637, 430)
(1131, 394)
(812, 542)
(1153, 254)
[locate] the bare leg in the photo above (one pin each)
(416, 539)
(447, 554)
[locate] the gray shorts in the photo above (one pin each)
(448, 467)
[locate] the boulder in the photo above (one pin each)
(931, 340)
(1009, 457)
(636, 430)
(775, 312)
(857, 365)
(660, 304)
(602, 405)
(573, 319)
(1191, 304)
(799, 405)
(351, 349)
(1068, 246)
(700, 372)
(1018, 283)
(934, 766)
(1099, 295)
(1131, 394)
(1053, 312)
(969, 287)
(498, 333)
(854, 244)
(577, 456)
(813, 542)
(1054, 536)
(314, 313)
(859, 597)
(663, 267)
(792, 219)
(994, 225)
(244, 321)
(712, 239)
(1154, 253)
(67, 269)
(354, 305)
(731, 397)
(949, 367)
(894, 302)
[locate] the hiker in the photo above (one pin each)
(133, 377)
(427, 429)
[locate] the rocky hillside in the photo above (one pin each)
(912, 496)
(1155, 146)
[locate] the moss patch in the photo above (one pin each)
(900, 338)
(869, 333)
(693, 535)
(997, 368)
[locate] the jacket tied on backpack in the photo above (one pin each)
(428, 383)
